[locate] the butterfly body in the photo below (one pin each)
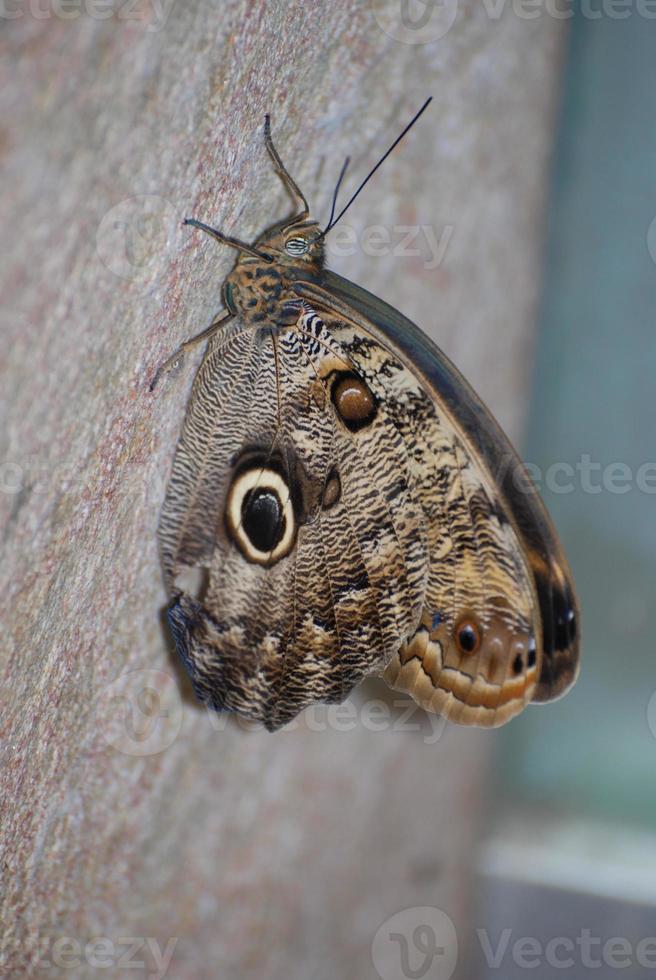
(353, 509)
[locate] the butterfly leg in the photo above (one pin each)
(166, 365)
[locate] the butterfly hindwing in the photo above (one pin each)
(275, 630)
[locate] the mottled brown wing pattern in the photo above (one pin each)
(273, 631)
(500, 624)
(473, 655)
(215, 415)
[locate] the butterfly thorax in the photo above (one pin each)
(260, 288)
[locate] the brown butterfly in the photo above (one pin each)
(346, 506)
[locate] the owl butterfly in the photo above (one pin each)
(343, 504)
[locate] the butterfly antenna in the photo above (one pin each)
(336, 191)
(331, 223)
(282, 171)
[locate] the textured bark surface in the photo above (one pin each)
(126, 811)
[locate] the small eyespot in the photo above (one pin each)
(353, 400)
(468, 636)
(332, 490)
(297, 246)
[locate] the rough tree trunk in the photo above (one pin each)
(127, 811)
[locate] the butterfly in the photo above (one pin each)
(342, 504)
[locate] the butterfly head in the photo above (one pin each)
(296, 248)
(260, 288)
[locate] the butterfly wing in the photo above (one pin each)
(499, 625)
(353, 509)
(291, 493)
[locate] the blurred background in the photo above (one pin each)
(574, 843)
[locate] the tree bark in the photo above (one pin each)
(126, 809)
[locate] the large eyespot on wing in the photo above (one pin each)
(259, 513)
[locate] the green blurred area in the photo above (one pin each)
(594, 753)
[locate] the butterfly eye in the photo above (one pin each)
(468, 636)
(297, 246)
